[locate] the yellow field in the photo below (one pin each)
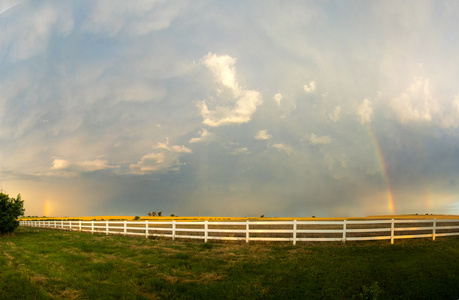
(167, 218)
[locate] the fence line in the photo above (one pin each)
(293, 231)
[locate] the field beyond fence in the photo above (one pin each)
(286, 230)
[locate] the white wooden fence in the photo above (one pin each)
(293, 231)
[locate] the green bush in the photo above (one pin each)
(10, 210)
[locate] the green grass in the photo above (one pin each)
(40, 263)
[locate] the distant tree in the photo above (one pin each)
(172, 215)
(149, 214)
(136, 218)
(160, 213)
(153, 213)
(10, 210)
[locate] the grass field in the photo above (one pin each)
(210, 218)
(38, 263)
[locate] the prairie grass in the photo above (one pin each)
(38, 263)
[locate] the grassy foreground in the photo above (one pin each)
(38, 263)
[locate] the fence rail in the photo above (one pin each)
(292, 231)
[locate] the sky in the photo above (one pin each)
(230, 108)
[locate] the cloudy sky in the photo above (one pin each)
(230, 108)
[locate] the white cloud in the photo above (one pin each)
(174, 148)
(164, 158)
(278, 97)
(149, 163)
(243, 150)
(242, 104)
(310, 88)
(80, 167)
(335, 115)
(204, 134)
(283, 147)
(365, 111)
(263, 135)
(222, 66)
(316, 140)
(416, 103)
(60, 164)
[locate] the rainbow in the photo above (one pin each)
(47, 207)
(382, 165)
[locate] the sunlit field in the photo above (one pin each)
(210, 218)
(38, 263)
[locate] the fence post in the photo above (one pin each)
(125, 227)
(79, 225)
(92, 226)
(62, 224)
(294, 232)
(173, 230)
(344, 231)
(55, 223)
(247, 237)
(434, 230)
(146, 229)
(206, 227)
(70, 225)
(106, 227)
(392, 229)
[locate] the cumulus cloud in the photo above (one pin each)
(80, 167)
(263, 135)
(164, 158)
(59, 164)
(222, 66)
(317, 140)
(311, 88)
(365, 111)
(416, 103)
(242, 103)
(283, 148)
(204, 134)
(278, 97)
(243, 150)
(335, 115)
(174, 148)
